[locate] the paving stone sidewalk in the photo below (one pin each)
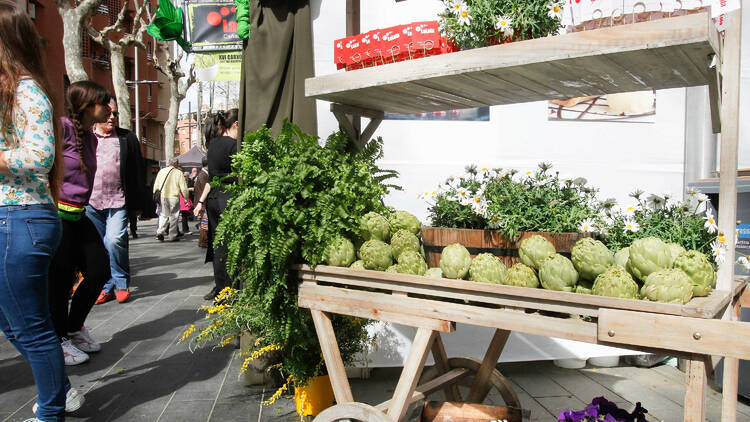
(144, 373)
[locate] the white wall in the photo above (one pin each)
(616, 157)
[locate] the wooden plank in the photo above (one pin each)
(481, 385)
(702, 336)
(310, 297)
(357, 111)
(443, 367)
(351, 300)
(683, 42)
(332, 356)
(701, 307)
(413, 367)
(465, 412)
(421, 392)
(695, 391)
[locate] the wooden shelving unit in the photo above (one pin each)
(665, 53)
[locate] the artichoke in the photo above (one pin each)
(522, 276)
(697, 266)
(590, 258)
(669, 285)
(675, 250)
(434, 273)
(404, 220)
(340, 252)
(374, 226)
(621, 257)
(615, 282)
(358, 265)
(558, 273)
(584, 287)
(395, 268)
(411, 262)
(488, 268)
(455, 261)
(404, 240)
(534, 250)
(376, 254)
(648, 255)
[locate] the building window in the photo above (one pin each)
(149, 92)
(183, 144)
(86, 45)
(149, 51)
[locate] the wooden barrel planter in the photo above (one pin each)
(480, 241)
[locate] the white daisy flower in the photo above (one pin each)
(554, 10)
(744, 262)
(503, 25)
(655, 202)
(587, 226)
(478, 202)
(632, 226)
(457, 5)
(719, 250)
(495, 222)
(701, 197)
(463, 15)
(464, 201)
(710, 223)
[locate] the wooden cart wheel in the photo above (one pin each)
(498, 381)
(354, 412)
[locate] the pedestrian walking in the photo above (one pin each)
(200, 182)
(81, 248)
(118, 192)
(221, 133)
(30, 166)
(170, 184)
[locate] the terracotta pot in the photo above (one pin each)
(479, 241)
(314, 397)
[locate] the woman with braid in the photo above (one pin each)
(81, 248)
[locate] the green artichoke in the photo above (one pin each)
(558, 273)
(404, 240)
(522, 276)
(675, 250)
(434, 273)
(534, 250)
(455, 261)
(670, 285)
(404, 220)
(584, 287)
(374, 226)
(340, 252)
(590, 258)
(697, 266)
(621, 257)
(358, 265)
(615, 282)
(395, 268)
(648, 255)
(488, 268)
(376, 254)
(411, 262)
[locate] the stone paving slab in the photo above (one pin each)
(144, 373)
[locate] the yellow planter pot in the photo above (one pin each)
(314, 397)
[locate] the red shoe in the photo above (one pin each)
(104, 297)
(122, 295)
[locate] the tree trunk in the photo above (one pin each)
(72, 36)
(117, 57)
(226, 106)
(170, 127)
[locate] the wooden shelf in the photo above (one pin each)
(659, 54)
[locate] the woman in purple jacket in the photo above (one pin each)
(81, 248)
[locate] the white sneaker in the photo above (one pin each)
(73, 356)
(82, 341)
(73, 401)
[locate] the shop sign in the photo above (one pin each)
(213, 26)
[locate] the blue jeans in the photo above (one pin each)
(29, 236)
(112, 224)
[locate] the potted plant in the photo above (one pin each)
(294, 197)
(479, 23)
(493, 210)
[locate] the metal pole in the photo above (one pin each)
(137, 99)
(190, 122)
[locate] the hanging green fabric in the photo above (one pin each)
(167, 24)
(276, 60)
(243, 18)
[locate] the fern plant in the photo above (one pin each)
(293, 197)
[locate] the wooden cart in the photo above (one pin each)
(665, 53)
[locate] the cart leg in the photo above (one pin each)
(731, 372)
(695, 390)
(336, 372)
(442, 366)
(482, 385)
(411, 372)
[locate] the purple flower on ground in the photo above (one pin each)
(602, 409)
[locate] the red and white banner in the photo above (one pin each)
(721, 7)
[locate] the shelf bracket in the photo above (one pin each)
(348, 118)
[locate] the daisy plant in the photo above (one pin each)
(480, 23)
